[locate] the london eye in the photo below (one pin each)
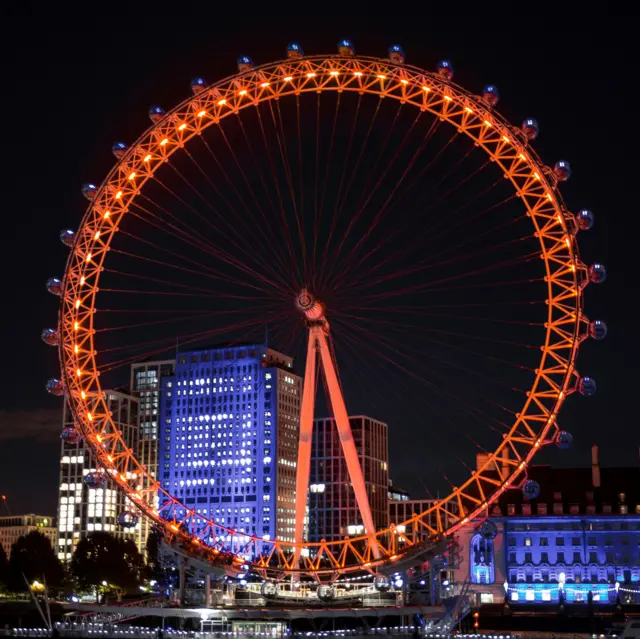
(384, 224)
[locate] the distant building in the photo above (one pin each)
(402, 510)
(333, 510)
(230, 419)
(82, 509)
(578, 540)
(145, 384)
(397, 494)
(13, 527)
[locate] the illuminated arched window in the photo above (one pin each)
(481, 560)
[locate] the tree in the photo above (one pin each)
(4, 567)
(33, 556)
(101, 557)
(134, 561)
(153, 550)
(160, 566)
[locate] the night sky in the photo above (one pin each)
(71, 88)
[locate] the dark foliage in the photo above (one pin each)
(33, 557)
(102, 557)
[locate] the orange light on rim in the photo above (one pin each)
(299, 70)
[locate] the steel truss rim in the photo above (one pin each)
(565, 276)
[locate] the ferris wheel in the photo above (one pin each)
(393, 223)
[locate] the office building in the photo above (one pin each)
(333, 510)
(82, 509)
(579, 540)
(397, 494)
(229, 440)
(401, 510)
(12, 527)
(145, 386)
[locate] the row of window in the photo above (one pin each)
(575, 541)
(217, 356)
(573, 558)
(559, 509)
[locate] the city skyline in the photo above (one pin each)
(322, 313)
(580, 413)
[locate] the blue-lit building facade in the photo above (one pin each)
(579, 541)
(229, 438)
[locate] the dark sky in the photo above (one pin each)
(72, 86)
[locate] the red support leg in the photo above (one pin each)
(318, 340)
(306, 432)
(346, 437)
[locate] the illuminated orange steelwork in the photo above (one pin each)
(319, 337)
(566, 276)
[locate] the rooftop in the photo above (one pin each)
(613, 490)
(30, 519)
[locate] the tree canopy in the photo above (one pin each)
(101, 556)
(4, 567)
(33, 556)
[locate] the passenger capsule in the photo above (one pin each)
(488, 530)
(67, 237)
(96, 479)
(396, 54)
(244, 63)
(326, 593)
(294, 50)
(585, 219)
(587, 386)
(119, 149)
(89, 191)
(54, 286)
(490, 95)
(597, 273)
(530, 128)
(156, 113)
(70, 435)
(531, 489)
(381, 584)
(269, 589)
(562, 170)
(346, 48)
(50, 336)
(445, 69)
(55, 387)
(598, 329)
(564, 440)
(198, 85)
(127, 519)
